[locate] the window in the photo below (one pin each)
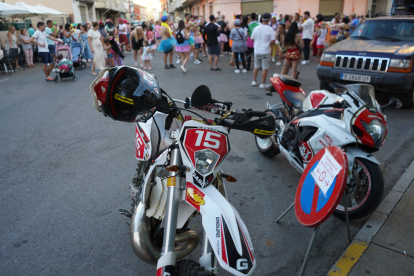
(385, 30)
(204, 11)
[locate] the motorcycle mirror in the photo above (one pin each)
(201, 96)
(395, 103)
(337, 88)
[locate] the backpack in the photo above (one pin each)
(179, 37)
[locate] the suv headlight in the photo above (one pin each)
(328, 58)
(376, 130)
(400, 63)
(206, 161)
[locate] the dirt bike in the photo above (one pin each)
(349, 118)
(178, 178)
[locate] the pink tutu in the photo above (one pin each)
(182, 48)
(198, 40)
(223, 38)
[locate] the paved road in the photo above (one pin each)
(65, 171)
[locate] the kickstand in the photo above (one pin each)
(284, 213)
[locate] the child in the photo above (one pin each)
(151, 39)
(64, 64)
(146, 55)
(320, 42)
(118, 56)
(110, 60)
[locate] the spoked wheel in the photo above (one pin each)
(185, 267)
(266, 146)
(364, 192)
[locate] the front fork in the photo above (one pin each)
(166, 264)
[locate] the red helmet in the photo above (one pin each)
(124, 93)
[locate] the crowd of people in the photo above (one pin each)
(261, 38)
(284, 39)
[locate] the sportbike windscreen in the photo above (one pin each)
(366, 93)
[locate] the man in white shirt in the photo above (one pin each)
(40, 38)
(307, 35)
(123, 31)
(263, 38)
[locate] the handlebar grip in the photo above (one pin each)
(259, 114)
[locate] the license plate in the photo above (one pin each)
(358, 78)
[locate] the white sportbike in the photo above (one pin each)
(349, 118)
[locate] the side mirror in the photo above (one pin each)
(201, 96)
(394, 102)
(337, 88)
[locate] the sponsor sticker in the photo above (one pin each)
(305, 151)
(171, 182)
(124, 99)
(263, 132)
(194, 196)
(328, 139)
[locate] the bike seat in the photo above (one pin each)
(289, 81)
(294, 98)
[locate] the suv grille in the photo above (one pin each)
(359, 63)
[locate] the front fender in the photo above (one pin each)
(353, 153)
(225, 229)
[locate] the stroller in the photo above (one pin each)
(68, 71)
(77, 49)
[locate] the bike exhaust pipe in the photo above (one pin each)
(141, 239)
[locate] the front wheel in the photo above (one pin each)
(364, 192)
(185, 267)
(266, 146)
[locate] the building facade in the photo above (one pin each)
(230, 7)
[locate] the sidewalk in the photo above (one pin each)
(385, 244)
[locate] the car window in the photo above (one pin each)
(387, 30)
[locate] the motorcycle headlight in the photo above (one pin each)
(328, 58)
(376, 130)
(206, 161)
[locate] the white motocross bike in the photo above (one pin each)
(349, 118)
(179, 177)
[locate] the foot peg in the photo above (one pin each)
(125, 213)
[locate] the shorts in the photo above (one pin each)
(214, 50)
(52, 49)
(262, 60)
(198, 46)
(320, 46)
(46, 58)
(159, 38)
(123, 38)
(110, 56)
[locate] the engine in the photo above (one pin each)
(293, 135)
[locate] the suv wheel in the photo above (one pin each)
(407, 98)
(323, 86)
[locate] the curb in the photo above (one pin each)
(356, 249)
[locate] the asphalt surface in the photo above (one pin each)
(65, 171)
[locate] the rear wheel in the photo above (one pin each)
(323, 86)
(185, 267)
(407, 98)
(364, 192)
(266, 146)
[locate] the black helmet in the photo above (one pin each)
(124, 93)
